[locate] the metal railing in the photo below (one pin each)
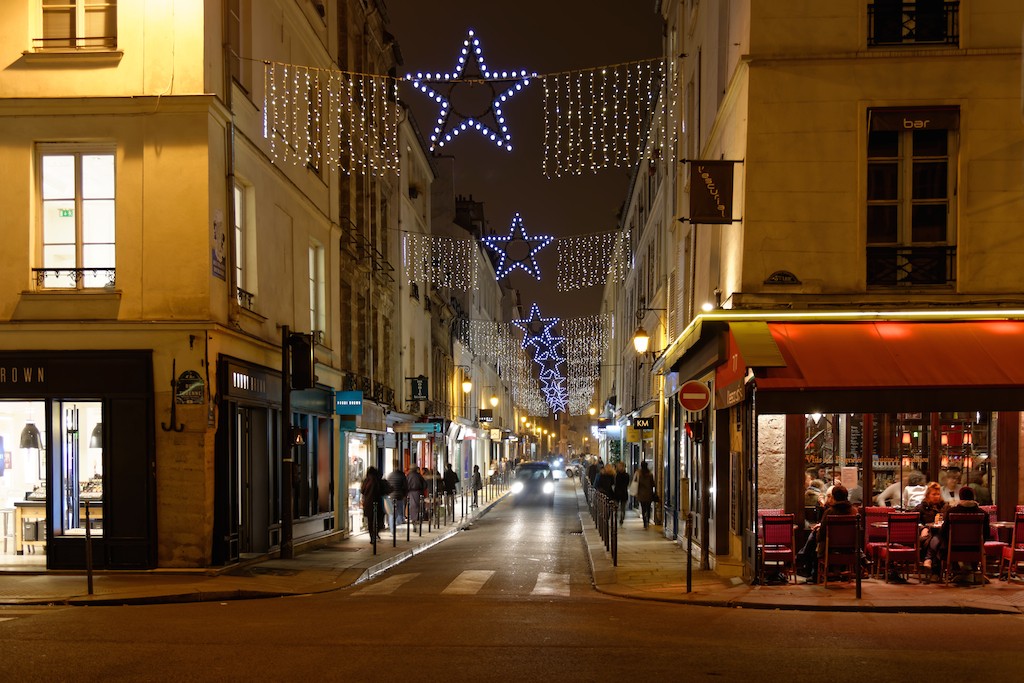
(925, 22)
(911, 266)
(437, 509)
(605, 512)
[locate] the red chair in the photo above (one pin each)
(778, 545)
(965, 542)
(874, 537)
(994, 548)
(841, 547)
(766, 512)
(1013, 554)
(901, 542)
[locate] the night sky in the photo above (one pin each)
(542, 36)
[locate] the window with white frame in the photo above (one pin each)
(911, 191)
(78, 24)
(77, 214)
(317, 292)
(244, 280)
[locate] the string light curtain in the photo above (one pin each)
(590, 260)
(442, 261)
(348, 121)
(586, 340)
(599, 118)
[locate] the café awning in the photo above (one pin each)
(894, 365)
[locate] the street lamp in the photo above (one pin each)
(641, 340)
(592, 411)
(494, 400)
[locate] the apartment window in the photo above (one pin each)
(244, 281)
(77, 195)
(239, 37)
(78, 24)
(911, 183)
(895, 22)
(317, 291)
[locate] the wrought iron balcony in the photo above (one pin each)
(927, 22)
(911, 266)
(246, 299)
(70, 278)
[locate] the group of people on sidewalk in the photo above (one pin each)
(401, 494)
(927, 499)
(615, 484)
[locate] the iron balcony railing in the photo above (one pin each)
(57, 277)
(928, 22)
(911, 266)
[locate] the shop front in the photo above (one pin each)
(867, 402)
(77, 458)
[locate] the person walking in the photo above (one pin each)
(478, 484)
(399, 489)
(620, 490)
(373, 506)
(417, 484)
(645, 492)
(451, 483)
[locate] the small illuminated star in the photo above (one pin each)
(450, 122)
(534, 325)
(502, 246)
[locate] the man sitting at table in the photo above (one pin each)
(939, 541)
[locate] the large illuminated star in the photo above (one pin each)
(450, 122)
(508, 259)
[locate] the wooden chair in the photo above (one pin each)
(778, 545)
(965, 542)
(874, 537)
(1013, 554)
(841, 547)
(901, 542)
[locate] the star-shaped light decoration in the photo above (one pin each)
(440, 87)
(534, 325)
(517, 250)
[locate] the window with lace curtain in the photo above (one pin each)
(77, 24)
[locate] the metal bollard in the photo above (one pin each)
(615, 534)
(88, 549)
(374, 531)
(394, 524)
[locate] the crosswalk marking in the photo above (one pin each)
(468, 582)
(552, 584)
(386, 586)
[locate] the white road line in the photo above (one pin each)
(552, 584)
(468, 582)
(7, 618)
(386, 586)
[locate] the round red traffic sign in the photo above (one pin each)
(694, 396)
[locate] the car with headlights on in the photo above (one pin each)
(533, 483)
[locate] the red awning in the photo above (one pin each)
(896, 355)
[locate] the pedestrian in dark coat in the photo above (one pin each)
(417, 484)
(645, 492)
(620, 490)
(399, 490)
(373, 506)
(451, 482)
(478, 484)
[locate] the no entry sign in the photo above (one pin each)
(694, 396)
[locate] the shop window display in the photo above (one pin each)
(26, 449)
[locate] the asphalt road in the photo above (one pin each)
(511, 600)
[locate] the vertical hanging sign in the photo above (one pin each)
(711, 191)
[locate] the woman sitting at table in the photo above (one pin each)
(937, 543)
(929, 508)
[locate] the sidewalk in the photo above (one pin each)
(650, 567)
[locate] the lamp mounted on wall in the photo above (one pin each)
(642, 340)
(467, 383)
